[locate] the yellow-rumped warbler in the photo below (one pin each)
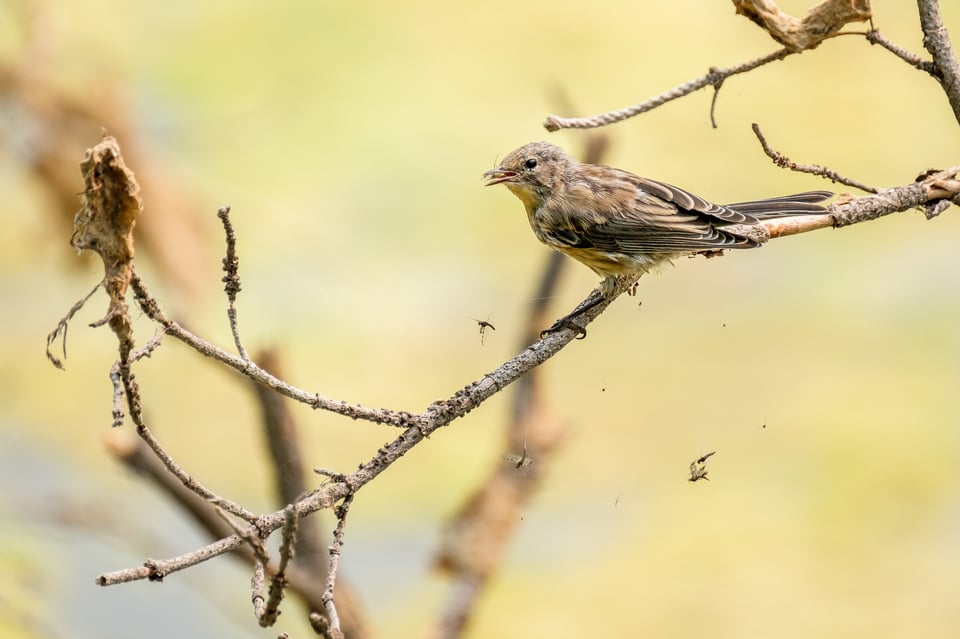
(618, 223)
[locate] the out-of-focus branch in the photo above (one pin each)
(284, 444)
(45, 126)
(474, 541)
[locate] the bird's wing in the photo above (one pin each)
(619, 212)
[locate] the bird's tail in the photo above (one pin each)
(786, 205)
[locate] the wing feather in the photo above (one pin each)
(615, 211)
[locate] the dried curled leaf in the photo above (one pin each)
(110, 204)
(820, 22)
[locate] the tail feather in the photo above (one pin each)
(786, 205)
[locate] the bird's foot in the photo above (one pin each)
(565, 323)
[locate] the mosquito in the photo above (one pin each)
(698, 468)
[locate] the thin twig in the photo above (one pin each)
(137, 456)
(286, 449)
(256, 587)
(250, 535)
(255, 373)
(784, 162)
(875, 37)
(133, 403)
(144, 351)
(61, 329)
(132, 392)
(330, 607)
(715, 77)
(231, 279)
(279, 580)
(713, 101)
(286, 453)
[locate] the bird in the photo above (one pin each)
(617, 223)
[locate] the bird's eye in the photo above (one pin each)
(530, 163)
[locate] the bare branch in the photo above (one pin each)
(231, 279)
(111, 204)
(285, 445)
(875, 37)
(333, 629)
(943, 185)
(133, 402)
(715, 78)
(935, 187)
(157, 569)
(256, 587)
(253, 539)
(440, 413)
(932, 190)
(253, 372)
(134, 454)
(137, 456)
(144, 351)
(279, 580)
(936, 40)
(784, 162)
(822, 22)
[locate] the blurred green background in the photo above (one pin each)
(349, 139)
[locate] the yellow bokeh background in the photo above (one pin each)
(349, 138)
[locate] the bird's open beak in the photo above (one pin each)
(499, 176)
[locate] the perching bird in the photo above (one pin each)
(619, 223)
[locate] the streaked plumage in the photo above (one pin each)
(616, 222)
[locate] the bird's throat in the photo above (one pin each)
(530, 198)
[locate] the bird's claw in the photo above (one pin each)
(562, 324)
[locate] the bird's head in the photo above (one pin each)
(532, 172)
